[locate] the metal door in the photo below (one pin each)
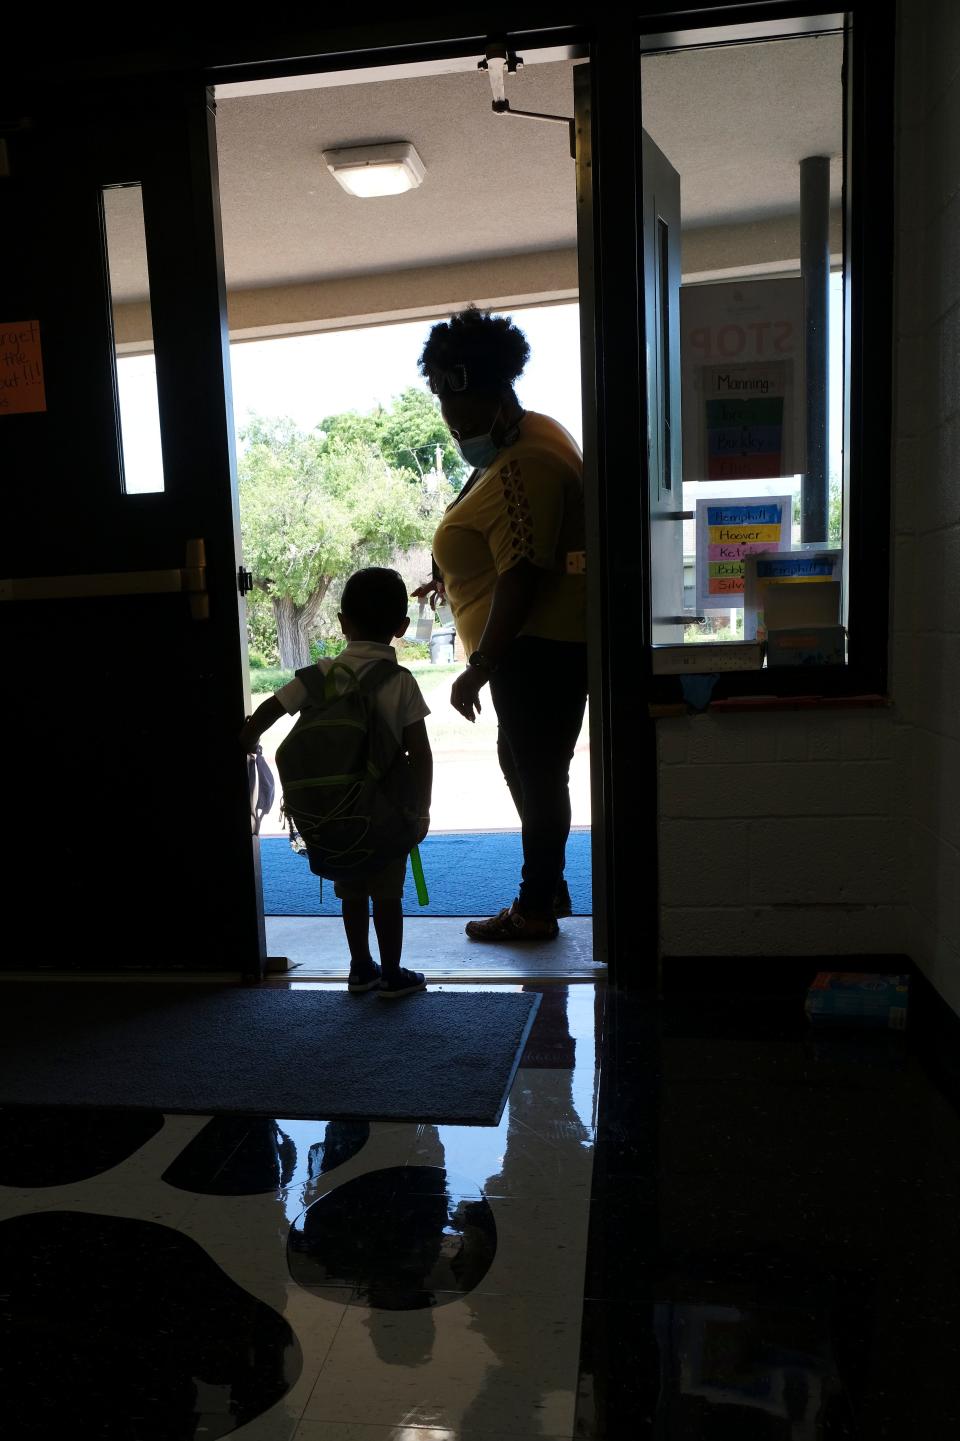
(129, 816)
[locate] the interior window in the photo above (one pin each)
(141, 456)
(747, 554)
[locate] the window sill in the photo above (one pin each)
(766, 703)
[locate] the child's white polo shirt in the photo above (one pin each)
(399, 701)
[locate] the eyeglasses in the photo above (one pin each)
(454, 379)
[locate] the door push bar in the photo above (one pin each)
(190, 580)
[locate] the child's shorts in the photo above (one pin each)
(385, 885)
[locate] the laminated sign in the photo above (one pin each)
(742, 376)
(727, 532)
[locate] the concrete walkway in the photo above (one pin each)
(316, 947)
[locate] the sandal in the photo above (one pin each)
(511, 924)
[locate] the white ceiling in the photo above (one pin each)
(494, 185)
(735, 122)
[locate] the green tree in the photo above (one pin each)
(406, 433)
(314, 508)
(834, 510)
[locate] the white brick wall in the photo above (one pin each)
(776, 833)
(839, 832)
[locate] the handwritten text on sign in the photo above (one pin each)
(742, 377)
(744, 435)
(726, 533)
(789, 568)
(21, 368)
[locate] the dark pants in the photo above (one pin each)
(539, 691)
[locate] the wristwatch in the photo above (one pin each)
(479, 661)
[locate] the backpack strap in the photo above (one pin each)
(321, 686)
(313, 682)
(376, 675)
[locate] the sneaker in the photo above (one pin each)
(404, 983)
(511, 924)
(562, 904)
(366, 980)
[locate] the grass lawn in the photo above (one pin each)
(469, 790)
(447, 728)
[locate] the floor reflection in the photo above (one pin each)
(250, 1155)
(423, 1279)
(774, 1248)
(495, 1353)
(766, 1373)
(401, 1239)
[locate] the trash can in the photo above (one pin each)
(441, 645)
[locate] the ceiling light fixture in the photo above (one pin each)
(369, 170)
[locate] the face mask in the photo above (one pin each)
(479, 451)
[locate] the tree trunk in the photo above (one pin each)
(292, 640)
(311, 608)
(295, 625)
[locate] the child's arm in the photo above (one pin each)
(262, 719)
(416, 743)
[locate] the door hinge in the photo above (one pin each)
(244, 580)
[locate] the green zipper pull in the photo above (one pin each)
(416, 865)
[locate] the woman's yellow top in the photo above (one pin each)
(526, 505)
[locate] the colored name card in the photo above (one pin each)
(764, 412)
(742, 534)
(735, 550)
(760, 512)
(21, 368)
(728, 532)
(795, 568)
(744, 438)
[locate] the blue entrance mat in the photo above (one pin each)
(467, 873)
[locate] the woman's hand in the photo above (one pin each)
(249, 739)
(465, 695)
(431, 590)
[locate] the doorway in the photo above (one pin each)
(330, 298)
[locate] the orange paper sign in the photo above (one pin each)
(21, 368)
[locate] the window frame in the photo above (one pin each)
(868, 193)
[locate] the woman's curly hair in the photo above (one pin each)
(484, 351)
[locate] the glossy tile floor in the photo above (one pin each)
(174, 1277)
(695, 1220)
(775, 1230)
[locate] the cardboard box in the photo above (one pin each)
(808, 583)
(856, 998)
(787, 606)
(807, 645)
